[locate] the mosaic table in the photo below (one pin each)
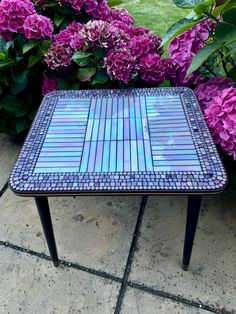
(103, 142)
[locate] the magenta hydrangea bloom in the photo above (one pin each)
(120, 65)
(140, 45)
(13, 14)
(220, 115)
(37, 26)
(122, 15)
(49, 85)
(183, 48)
(212, 88)
(137, 30)
(58, 56)
(71, 36)
(151, 69)
(102, 34)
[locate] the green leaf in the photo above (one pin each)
(202, 56)
(62, 84)
(45, 45)
(2, 43)
(220, 8)
(75, 86)
(225, 32)
(34, 59)
(179, 27)
(29, 45)
(230, 4)
(6, 64)
(186, 4)
(9, 103)
(58, 20)
(20, 77)
(232, 74)
(99, 53)
(85, 74)
(165, 84)
(20, 112)
(204, 7)
(22, 125)
(229, 16)
(81, 58)
(113, 3)
(101, 77)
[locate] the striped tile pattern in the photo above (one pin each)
(119, 134)
(63, 144)
(117, 138)
(171, 141)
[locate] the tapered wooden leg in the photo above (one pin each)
(45, 217)
(194, 205)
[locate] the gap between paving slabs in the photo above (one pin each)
(124, 281)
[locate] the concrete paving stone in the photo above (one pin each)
(138, 302)
(8, 155)
(32, 285)
(212, 274)
(93, 231)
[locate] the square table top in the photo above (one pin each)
(140, 141)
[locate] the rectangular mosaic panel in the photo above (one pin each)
(119, 134)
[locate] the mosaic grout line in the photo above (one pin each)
(130, 284)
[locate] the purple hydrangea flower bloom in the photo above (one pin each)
(120, 65)
(58, 56)
(183, 48)
(140, 45)
(13, 14)
(71, 36)
(49, 85)
(151, 69)
(220, 115)
(212, 88)
(37, 26)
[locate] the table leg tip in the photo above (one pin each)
(56, 264)
(185, 267)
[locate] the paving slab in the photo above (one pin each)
(212, 274)
(32, 285)
(138, 302)
(95, 232)
(8, 155)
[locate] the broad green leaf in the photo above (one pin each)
(20, 77)
(85, 74)
(178, 28)
(230, 4)
(99, 53)
(5, 64)
(2, 43)
(29, 45)
(202, 56)
(101, 77)
(22, 125)
(75, 86)
(20, 112)
(204, 7)
(165, 84)
(2, 55)
(113, 3)
(232, 74)
(187, 3)
(62, 84)
(45, 45)
(34, 59)
(229, 16)
(32, 114)
(58, 20)
(82, 58)
(225, 32)
(9, 103)
(220, 8)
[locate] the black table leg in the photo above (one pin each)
(45, 217)
(194, 205)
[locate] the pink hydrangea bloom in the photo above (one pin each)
(37, 26)
(212, 88)
(49, 85)
(183, 48)
(102, 34)
(220, 115)
(120, 65)
(140, 45)
(151, 69)
(13, 14)
(71, 36)
(171, 69)
(58, 56)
